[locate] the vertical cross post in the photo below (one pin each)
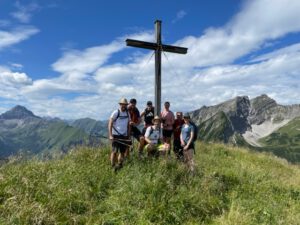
(158, 68)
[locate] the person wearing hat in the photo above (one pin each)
(148, 115)
(118, 131)
(186, 139)
(154, 138)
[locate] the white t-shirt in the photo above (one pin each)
(155, 135)
(120, 125)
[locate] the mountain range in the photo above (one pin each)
(22, 131)
(259, 123)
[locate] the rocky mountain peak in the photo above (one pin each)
(263, 101)
(262, 109)
(18, 112)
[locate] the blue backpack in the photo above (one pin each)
(195, 131)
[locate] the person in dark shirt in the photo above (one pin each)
(148, 115)
(134, 122)
(176, 137)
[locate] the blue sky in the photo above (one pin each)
(68, 58)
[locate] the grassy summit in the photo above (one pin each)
(231, 186)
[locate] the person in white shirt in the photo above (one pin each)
(119, 130)
(154, 138)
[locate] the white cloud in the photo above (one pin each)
(77, 69)
(258, 22)
(12, 82)
(24, 12)
(17, 66)
(180, 14)
(8, 38)
(283, 51)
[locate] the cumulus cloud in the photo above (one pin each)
(12, 82)
(16, 35)
(24, 12)
(78, 69)
(247, 32)
(180, 14)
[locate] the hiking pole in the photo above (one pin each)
(101, 136)
(121, 143)
(116, 140)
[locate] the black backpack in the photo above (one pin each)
(195, 131)
(120, 117)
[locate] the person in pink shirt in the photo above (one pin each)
(167, 118)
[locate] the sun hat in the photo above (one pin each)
(123, 101)
(156, 118)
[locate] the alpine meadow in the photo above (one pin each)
(231, 186)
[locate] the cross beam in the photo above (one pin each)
(157, 47)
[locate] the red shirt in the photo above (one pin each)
(134, 114)
(177, 128)
(167, 119)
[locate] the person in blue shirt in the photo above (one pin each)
(187, 143)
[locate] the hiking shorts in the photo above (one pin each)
(192, 146)
(167, 133)
(136, 133)
(118, 145)
(177, 147)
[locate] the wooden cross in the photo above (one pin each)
(158, 47)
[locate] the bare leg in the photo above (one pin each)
(141, 145)
(113, 158)
(127, 153)
(120, 159)
(188, 159)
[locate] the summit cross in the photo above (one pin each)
(158, 47)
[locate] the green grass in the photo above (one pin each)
(284, 142)
(231, 186)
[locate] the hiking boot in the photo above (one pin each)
(118, 167)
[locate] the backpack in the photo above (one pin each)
(151, 132)
(195, 131)
(122, 117)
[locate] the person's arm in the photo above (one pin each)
(190, 140)
(128, 126)
(181, 140)
(147, 135)
(110, 122)
(143, 113)
(173, 119)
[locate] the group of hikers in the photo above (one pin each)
(155, 137)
